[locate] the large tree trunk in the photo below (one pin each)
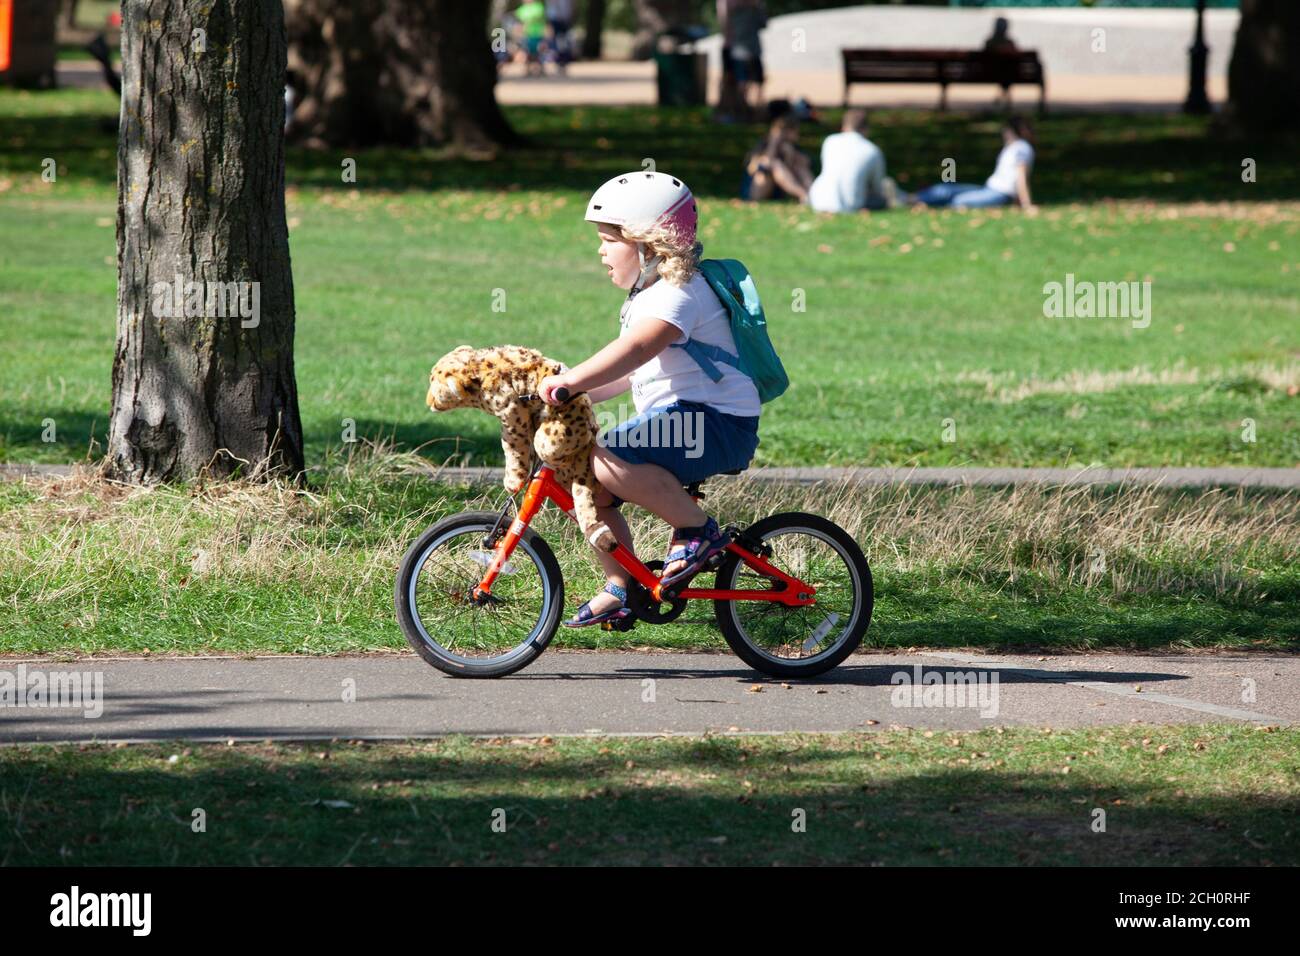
(396, 72)
(593, 25)
(201, 200)
(1264, 74)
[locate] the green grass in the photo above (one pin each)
(910, 320)
(234, 568)
(1176, 796)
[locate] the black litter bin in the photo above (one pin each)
(682, 73)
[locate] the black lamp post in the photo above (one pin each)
(1197, 101)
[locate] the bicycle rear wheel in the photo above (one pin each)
(786, 641)
(460, 635)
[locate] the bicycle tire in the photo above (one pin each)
(747, 648)
(417, 634)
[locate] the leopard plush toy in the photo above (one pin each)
(497, 380)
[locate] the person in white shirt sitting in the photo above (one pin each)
(1009, 182)
(853, 170)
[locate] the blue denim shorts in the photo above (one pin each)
(692, 440)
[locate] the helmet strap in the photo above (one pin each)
(647, 268)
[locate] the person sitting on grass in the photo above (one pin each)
(853, 170)
(646, 223)
(1009, 182)
(777, 168)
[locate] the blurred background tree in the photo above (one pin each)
(1264, 74)
(394, 72)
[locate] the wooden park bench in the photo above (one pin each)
(944, 67)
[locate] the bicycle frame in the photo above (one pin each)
(542, 487)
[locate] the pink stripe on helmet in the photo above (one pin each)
(682, 217)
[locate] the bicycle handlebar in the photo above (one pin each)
(562, 393)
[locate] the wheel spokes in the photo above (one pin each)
(808, 630)
(454, 621)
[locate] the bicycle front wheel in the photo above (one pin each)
(465, 637)
(804, 641)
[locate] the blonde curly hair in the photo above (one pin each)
(679, 258)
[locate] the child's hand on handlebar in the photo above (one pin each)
(550, 385)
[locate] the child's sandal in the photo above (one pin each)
(702, 543)
(585, 617)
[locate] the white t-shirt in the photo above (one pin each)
(1004, 178)
(673, 375)
(853, 168)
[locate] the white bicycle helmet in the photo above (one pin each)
(643, 199)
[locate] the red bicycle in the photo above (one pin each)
(481, 595)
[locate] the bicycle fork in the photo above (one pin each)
(534, 498)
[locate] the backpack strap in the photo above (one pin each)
(705, 355)
(725, 288)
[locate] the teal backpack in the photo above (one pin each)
(734, 286)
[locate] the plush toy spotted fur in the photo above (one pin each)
(495, 380)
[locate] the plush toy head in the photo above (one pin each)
(496, 380)
(456, 381)
(490, 379)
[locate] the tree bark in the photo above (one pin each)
(1264, 73)
(395, 72)
(209, 388)
(593, 25)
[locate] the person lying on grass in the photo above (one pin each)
(646, 223)
(1009, 182)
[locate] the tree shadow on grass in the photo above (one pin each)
(21, 439)
(712, 801)
(428, 438)
(1093, 156)
(1081, 156)
(74, 430)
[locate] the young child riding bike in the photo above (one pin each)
(675, 331)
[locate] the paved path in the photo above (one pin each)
(576, 692)
(630, 83)
(1279, 478)
(1143, 66)
(627, 83)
